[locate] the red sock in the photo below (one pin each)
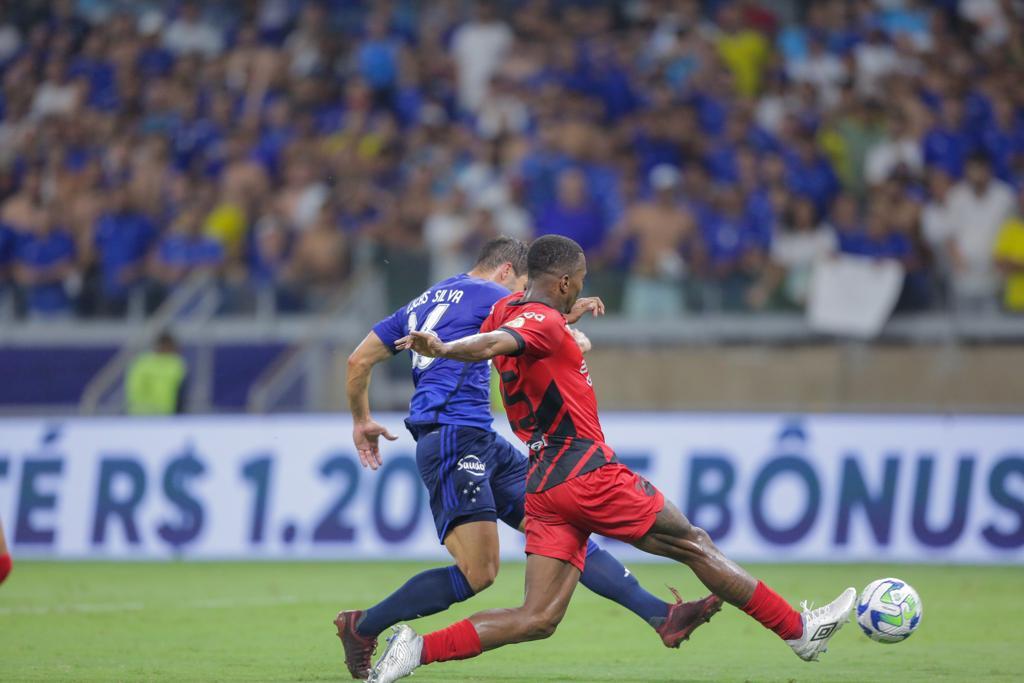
(458, 641)
(5, 566)
(774, 613)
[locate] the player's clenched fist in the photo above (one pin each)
(424, 343)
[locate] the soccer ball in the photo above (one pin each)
(889, 610)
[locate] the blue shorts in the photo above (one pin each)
(472, 474)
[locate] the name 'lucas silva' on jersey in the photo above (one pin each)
(441, 296)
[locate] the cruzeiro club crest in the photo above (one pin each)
(473, 465)
(824, 631)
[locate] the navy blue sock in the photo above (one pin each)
(429, 592)
(606, 576)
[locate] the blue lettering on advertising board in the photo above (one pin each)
(31, 499)
(922, 493)
(107, 506)
(332, 528)
(702, 495)
(853, 493)
(176, 477)
(998, 483)
(971, 511)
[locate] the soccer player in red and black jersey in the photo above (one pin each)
(5, 556)
(575, 485)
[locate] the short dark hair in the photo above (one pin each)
(166, 341)
(503, 250)
(979, 158)
(552, 254)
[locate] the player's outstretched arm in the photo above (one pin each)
(476, 347)
(366, 432)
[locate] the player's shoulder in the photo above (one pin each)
(486, 289)
(503, 303)
(517, 312)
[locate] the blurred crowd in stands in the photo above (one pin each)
(704, 154)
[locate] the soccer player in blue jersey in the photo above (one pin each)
(474, 476)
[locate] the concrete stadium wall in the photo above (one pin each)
(805, 378)
(812, 378)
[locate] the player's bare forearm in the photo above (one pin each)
(357, 379)
(471, 349)
(480, 347)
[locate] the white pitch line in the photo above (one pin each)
(219, 603)
(75, 607)
(212, 603)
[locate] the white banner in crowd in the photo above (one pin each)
(826, 488)
(853, 295)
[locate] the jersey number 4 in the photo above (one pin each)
(429, 323)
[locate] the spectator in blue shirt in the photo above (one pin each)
(727, 233)
(733, 250)
(44, 261)
(377, 59)
(809, 173)
(122, 238)
(878, 240)
(184, 251)
(947, 145)
(153, 60)
(98, 72)
(652, 139)
(1002, 139)
(8, 241)
(573, 213)
(270, 247)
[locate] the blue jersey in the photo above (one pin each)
(448, 392)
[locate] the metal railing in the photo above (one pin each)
(308, 359)
(105, 391)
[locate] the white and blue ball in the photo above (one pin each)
(889, 610)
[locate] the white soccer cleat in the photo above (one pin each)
(400, 658)
(821, 624)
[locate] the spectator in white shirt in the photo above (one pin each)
(478, 47)
(189, 34)
(445, 231)
(10, 39)
(899, 148)
(823, 69)
(936, 218)
(56, 96)
(304, 44)
(978, 205)
(875, 59)
(989, 18)
(802, 242)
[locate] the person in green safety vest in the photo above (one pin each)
(155, 382)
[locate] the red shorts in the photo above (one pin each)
(612, 501)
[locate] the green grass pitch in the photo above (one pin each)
(272, 622)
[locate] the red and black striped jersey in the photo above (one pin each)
(548, 393)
